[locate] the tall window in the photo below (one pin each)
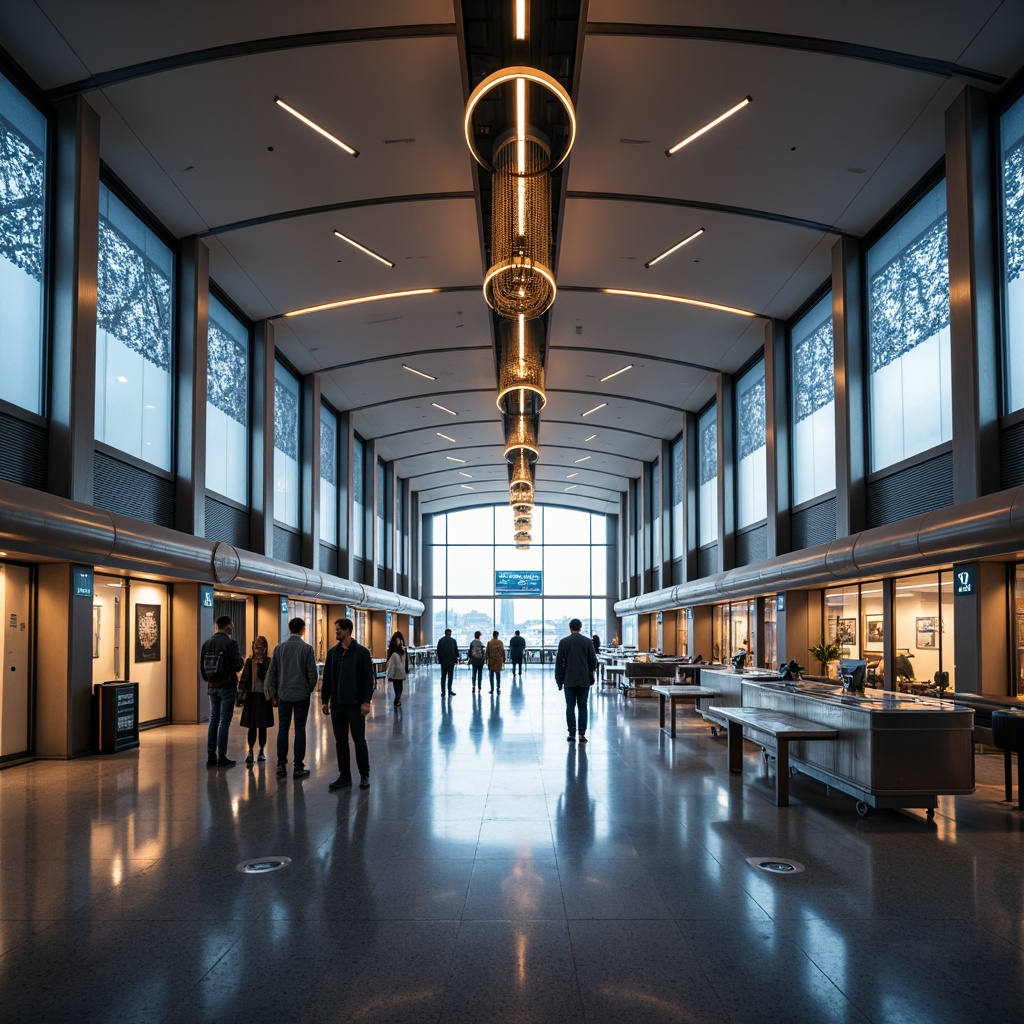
(1013, 253)
(654, 513)
(328, 476)
(227, 404)
(751, 464)
(814, 403)
(286, 446)
(400, 525)
(358, 497)
(707, 474)
(134, 298)
(382, 517)
(910, 385)
(22, 247)
(678, 537)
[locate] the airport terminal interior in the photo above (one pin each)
(700, 323)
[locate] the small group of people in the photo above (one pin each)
(286, 681)
(492, 655)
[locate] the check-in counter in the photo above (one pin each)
(729, 686)
(893, 749)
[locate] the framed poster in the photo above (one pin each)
(147, 632)
(926, 632)
(843, 630)
(873, 632)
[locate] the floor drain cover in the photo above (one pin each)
(263, 865)
(776, 865)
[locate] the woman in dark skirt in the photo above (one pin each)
(257, 711)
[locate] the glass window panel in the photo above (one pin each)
(678, 540)
(504, 523)
(508, 557)
(471, 570)
(1012, 131)
(918, 632)
(358, 497)
(598, 571)
(286, 446)
(557, 614)
(814, 421)
(1018, 629)
(400, 527)
(22, 247)
(871, 631)
(566, 526)
(910, 384)
(566, 570)
(842, 621)
(440, 532)
(134, 301)
(381, 502)
(472, 526)
(527, 615)
(655, 516)
(751, 464)
(947, 634)
(328, 476)
(598, 529)
(707, 467)
(440, 569)
(227, 403)
(463, 617)
(598, 624)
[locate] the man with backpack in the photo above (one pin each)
(219, 663)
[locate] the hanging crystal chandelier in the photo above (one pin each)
(520, 368)
(521, 437)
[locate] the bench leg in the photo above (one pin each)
(1008, 774)
(735, 748)
(1020, 779)
(672, 715)
(661, 711)
(782, 772)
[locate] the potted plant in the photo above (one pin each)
(825, 652)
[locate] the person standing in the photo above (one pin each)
(257, 711)
(397, 667)
(290, 681)
(447, 656)
(516, 651)
(219, 662)
(477, 657)
(495, 659)
(345, 695)
(575, 663)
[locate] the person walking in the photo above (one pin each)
(397, 666)
(447, 657)
(219, 662)
(290, 681)
(575, 663)
(346, 694)
(516, 653)
(257, 711)
(477, 657)
(495, 659)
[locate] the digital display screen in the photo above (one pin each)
(518, 581)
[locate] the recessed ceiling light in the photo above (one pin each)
(419, 373)
(362, 248)
(468, 476)
(678, 245)
(444, 408)
(571, 487)
(591, 438)
(677, 298)
(468, 487)
(711, 124)
(447, 438)
(312, 124)
(451, 458)
(571, 475)
(616, 373)
(361, 299)
(584, 459)
(589, 411)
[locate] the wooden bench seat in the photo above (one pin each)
(779, 729)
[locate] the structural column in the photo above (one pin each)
(309, 471)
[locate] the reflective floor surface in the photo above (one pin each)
(494, 872)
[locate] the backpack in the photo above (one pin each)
(211, 663)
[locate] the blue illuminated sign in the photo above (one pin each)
(518, 581)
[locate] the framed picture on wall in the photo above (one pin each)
(873, 632)
(926, 632)
(147, 632)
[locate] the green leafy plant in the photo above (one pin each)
(826, 651)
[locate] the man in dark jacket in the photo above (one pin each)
(290, 683)
(219, 663)
(575, 664)
(345, 695)
(516, 650)
(447, 656)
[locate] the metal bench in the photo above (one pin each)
(674, 695)
(779, 729)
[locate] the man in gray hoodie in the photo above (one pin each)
(290, 681)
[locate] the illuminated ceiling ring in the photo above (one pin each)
(504, 299)
(502, 77)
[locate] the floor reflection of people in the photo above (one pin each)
(516, 701)
(476, 722)
(494, 722)
(574, 815)
(446, 727)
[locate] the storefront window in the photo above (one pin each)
(769, 644)
(683, 632)
(872, 632)
(923, 625)
(1018, 627)
(16, 705)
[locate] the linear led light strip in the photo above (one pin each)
(361, 299)
(312, 124)
(362, 248)
(678, 245)
(617, 372)
(520, 19)
(677, 298)
(711, 124)
(419, 373)
(521, 154)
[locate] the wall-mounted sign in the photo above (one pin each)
(284, 605)
(780, 602)
(518, 581)
(963, 579)
(206, 596)
(83, 583)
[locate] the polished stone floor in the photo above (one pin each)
(494, 872)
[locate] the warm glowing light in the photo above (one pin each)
(468, 487)
(578, 461)
(596, 407)
(700, 131)
(677, 298)
(362, 248)
(678, 245)
(571, 487)
(419, 373)
(446, 437)
(451, 458)
(571, 475)
(520, 19)
(312, 124)
(361, 299)
(468, 476)
(591, 438)
(444, 408)
(616, 373)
